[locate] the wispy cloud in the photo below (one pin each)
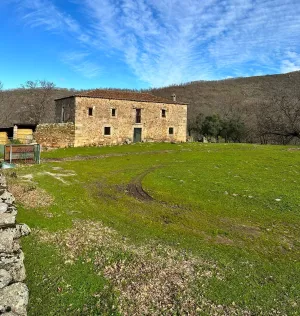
(171, 41)
(78, 61)
(45, 14)
(167, 42)
(291, 63)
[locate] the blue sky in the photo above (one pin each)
(139, 44)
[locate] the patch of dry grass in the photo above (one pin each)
(150, 279)
(30, 196)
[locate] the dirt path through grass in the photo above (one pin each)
(135, 187)
(80, 158)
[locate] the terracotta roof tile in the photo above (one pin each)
(123, 95)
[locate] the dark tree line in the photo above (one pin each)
(277, 121)
(267, 106)
(212, 126)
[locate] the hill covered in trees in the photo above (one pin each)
(268, 107)
(255, 109)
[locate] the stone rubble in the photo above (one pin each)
(13, 292)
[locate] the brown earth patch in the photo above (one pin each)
(249, 230)
(223, 240)
(103, 156)
(135, 188)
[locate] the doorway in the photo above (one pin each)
(137, 135)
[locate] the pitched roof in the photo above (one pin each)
(123, 95)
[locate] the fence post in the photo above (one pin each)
(10, 154)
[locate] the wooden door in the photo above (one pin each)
(137, 135)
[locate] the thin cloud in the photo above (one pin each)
(43, 13)
(78, 61)
(165, 42)
(291, 63)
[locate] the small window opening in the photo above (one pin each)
(163, 113)
(138, 117)
(113, 112)
(171, 130)
(106, 130)
(90, 111)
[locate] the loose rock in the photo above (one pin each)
(16, 296)
(7, 220)
(5, 278)
(3, 207)
(7, 197)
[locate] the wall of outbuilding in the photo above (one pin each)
(65, 110)
(56, 135)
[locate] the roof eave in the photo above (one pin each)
(70, 96)
(105, 98)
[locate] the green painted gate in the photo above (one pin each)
(22, 153)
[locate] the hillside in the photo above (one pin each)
(245, 99)
(268, 106)
(211, 97)
(15, 105)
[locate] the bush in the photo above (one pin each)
(15, 142)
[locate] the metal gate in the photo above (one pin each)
(22, 153)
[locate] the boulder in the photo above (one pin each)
(13, 263)
(12, 210)
(7, 220)
(2, 180)
(15, 296)
(5, 278)
(3, 207)
(21, 230)
(7, 197)
(7, 242)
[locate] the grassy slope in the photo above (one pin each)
(228, 213)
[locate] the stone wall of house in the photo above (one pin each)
(13, 292)
(65, 110)
(90, 128)
(56, 135)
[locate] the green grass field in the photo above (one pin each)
(220, 234)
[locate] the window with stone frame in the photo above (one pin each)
(171, 130)
(90, 111)
(138, 115)
(107, 131)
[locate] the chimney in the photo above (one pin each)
(174, 97)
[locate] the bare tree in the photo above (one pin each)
(8, 107)
(38, 99)
(279, 120)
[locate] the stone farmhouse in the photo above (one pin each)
(106, 117)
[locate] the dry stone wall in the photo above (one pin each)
(56, 135)
(13, 292)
